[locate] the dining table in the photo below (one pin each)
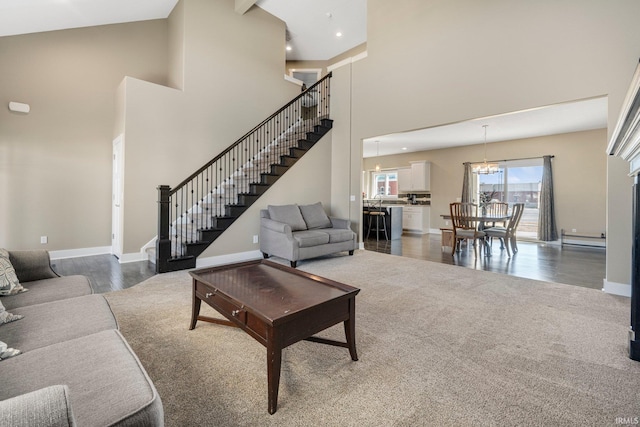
(482, 220)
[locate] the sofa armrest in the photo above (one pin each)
(340, 222)
(32, 265)
(47, 407)
(278, 227)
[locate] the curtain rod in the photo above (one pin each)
(508, 160)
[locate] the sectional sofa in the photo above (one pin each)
(75, 368)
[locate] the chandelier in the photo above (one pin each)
(485, 168)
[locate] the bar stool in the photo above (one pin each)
(377, 213)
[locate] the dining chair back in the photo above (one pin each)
(496, 209)
(508, 234)
(464, 218)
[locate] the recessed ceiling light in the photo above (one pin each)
(404, 148)
(338, 34)
(288, 47)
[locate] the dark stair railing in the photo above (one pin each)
(198, 210)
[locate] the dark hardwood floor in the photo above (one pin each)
(573, 265)
(105, 272)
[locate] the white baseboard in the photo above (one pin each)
(228, 259)
(75, 253)
(133, 257)
(614, 288)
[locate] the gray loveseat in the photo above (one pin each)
(75, 367)
(301, 232)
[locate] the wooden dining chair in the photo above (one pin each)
(507, 235)
(496, 209)
(464, 217)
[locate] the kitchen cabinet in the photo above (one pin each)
(415, 219)
(404, 180)
(415, 178)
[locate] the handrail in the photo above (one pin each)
(245, 136)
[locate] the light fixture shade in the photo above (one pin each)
(486, 168)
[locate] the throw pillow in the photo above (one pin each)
(6, 317)
(289, 214)
(7, 352)
(315, 216)
(9, 284)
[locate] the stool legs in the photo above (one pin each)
(377, 229)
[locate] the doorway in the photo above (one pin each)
(116, 196)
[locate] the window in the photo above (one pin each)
(384, 183)
(518, 181)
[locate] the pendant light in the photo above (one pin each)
(485, 168)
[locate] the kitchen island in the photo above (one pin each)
(393, 220)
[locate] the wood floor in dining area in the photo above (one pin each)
(572, 265)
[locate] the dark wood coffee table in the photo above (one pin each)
(277, 305)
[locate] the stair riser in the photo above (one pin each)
(312, 136)
(247, 199)
(258, 189)
(269, 179)
(223, 222)
(234, 211)
(279, 169)
(305, 144)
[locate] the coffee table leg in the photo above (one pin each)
(350, 329)
(274, 360)
(195, 310)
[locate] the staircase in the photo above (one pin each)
(196, 212)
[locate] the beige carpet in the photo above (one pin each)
(438, 345)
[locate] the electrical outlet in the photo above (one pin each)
(573, 230)
(352, 198)
(446, 223)
(44, 239)
(255, 238)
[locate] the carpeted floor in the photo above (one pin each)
(438, 345)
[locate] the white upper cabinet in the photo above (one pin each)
(415, 178)
(404, 180)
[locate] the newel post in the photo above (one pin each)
(163, 243)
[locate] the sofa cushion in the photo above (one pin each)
(337, 235)
(311, 238)
(48, 290)
(58, 321)
(49, 406)
(289, 214)
(6, 317)
(107, 384)
(9, 284)
(315, 216)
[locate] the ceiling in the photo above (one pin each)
(548, 120)
(312, 25)
(35, 16)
